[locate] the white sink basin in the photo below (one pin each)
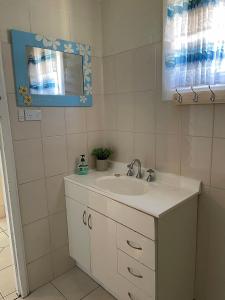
(123, 185)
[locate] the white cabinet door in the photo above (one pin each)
(79, 240)
(103, 249)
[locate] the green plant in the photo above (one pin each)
(102, 153)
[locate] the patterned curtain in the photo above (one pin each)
(45, 71)
(194, 40)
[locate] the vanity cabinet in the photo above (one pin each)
(133, 255)
(78, 232)
(103, 249)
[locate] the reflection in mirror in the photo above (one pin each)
(54, 73)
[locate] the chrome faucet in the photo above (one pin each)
(130, 171)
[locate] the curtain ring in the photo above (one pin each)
(195, 98)
(213, 96)
(179, 98)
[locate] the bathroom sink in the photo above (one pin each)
(123, 185)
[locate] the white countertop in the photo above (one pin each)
(165, 193)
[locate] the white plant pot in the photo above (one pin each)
(102, 165)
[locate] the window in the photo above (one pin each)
(194, 41)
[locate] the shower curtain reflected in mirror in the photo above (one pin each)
(53, 72)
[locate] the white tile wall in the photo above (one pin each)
(189, 141)
(54, 149)
(49, 126)
(55, 193)
(46, 150)
(33, 201)
(196, 157)
(29, 160)
(40, 271)
(37, 239)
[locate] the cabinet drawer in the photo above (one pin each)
(76, 192)
(130, 217)
(136, 245)
(138, 274)
(128, 291)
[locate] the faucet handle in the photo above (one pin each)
(130, 171)
(151, 175)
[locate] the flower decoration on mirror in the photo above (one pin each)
(48, 42)
(23, 90)
(87, 72)
(84, 50)
(88, 89)
(27, 100)
(68, 48)
(83, 99)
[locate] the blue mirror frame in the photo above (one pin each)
(20, 40)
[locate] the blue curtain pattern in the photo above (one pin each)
(43, 70)
(194, 42)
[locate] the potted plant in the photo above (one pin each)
(102, 155)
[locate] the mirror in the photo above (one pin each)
(53, 72)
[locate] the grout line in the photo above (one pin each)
(90, 292)
(6, 268)
(57, 289)
(211, 152)
(132, 49)
(42, 218)
(153, 90)
(16, 297)
(51, 251)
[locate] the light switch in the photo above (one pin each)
(32, 114)
(20, 113)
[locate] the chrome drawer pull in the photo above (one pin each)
(85, 218)
(135, 275)
(130, 296)
(129, 243)
(89, 222)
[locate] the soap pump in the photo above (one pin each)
(83, 165)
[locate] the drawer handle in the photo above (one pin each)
(89, 222)
(133, 274)
(130, 296)
(129, 243)
(85, 218)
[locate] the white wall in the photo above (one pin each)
(129, 24)
(185, 140)
(2, 208)
(46, 150)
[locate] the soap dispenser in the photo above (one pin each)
(83, 166)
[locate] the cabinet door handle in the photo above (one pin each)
(85, 218)
(133, 274)
(130, 296)
(89, 222)
(129, 243)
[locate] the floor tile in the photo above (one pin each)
(12, 296)
(4, 240)
(47, 292)
(75, 284)
(5, 258)
(3, 224)
(99, 294)
(7, 282)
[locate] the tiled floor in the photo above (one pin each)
(7, 280)
(74, 285)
